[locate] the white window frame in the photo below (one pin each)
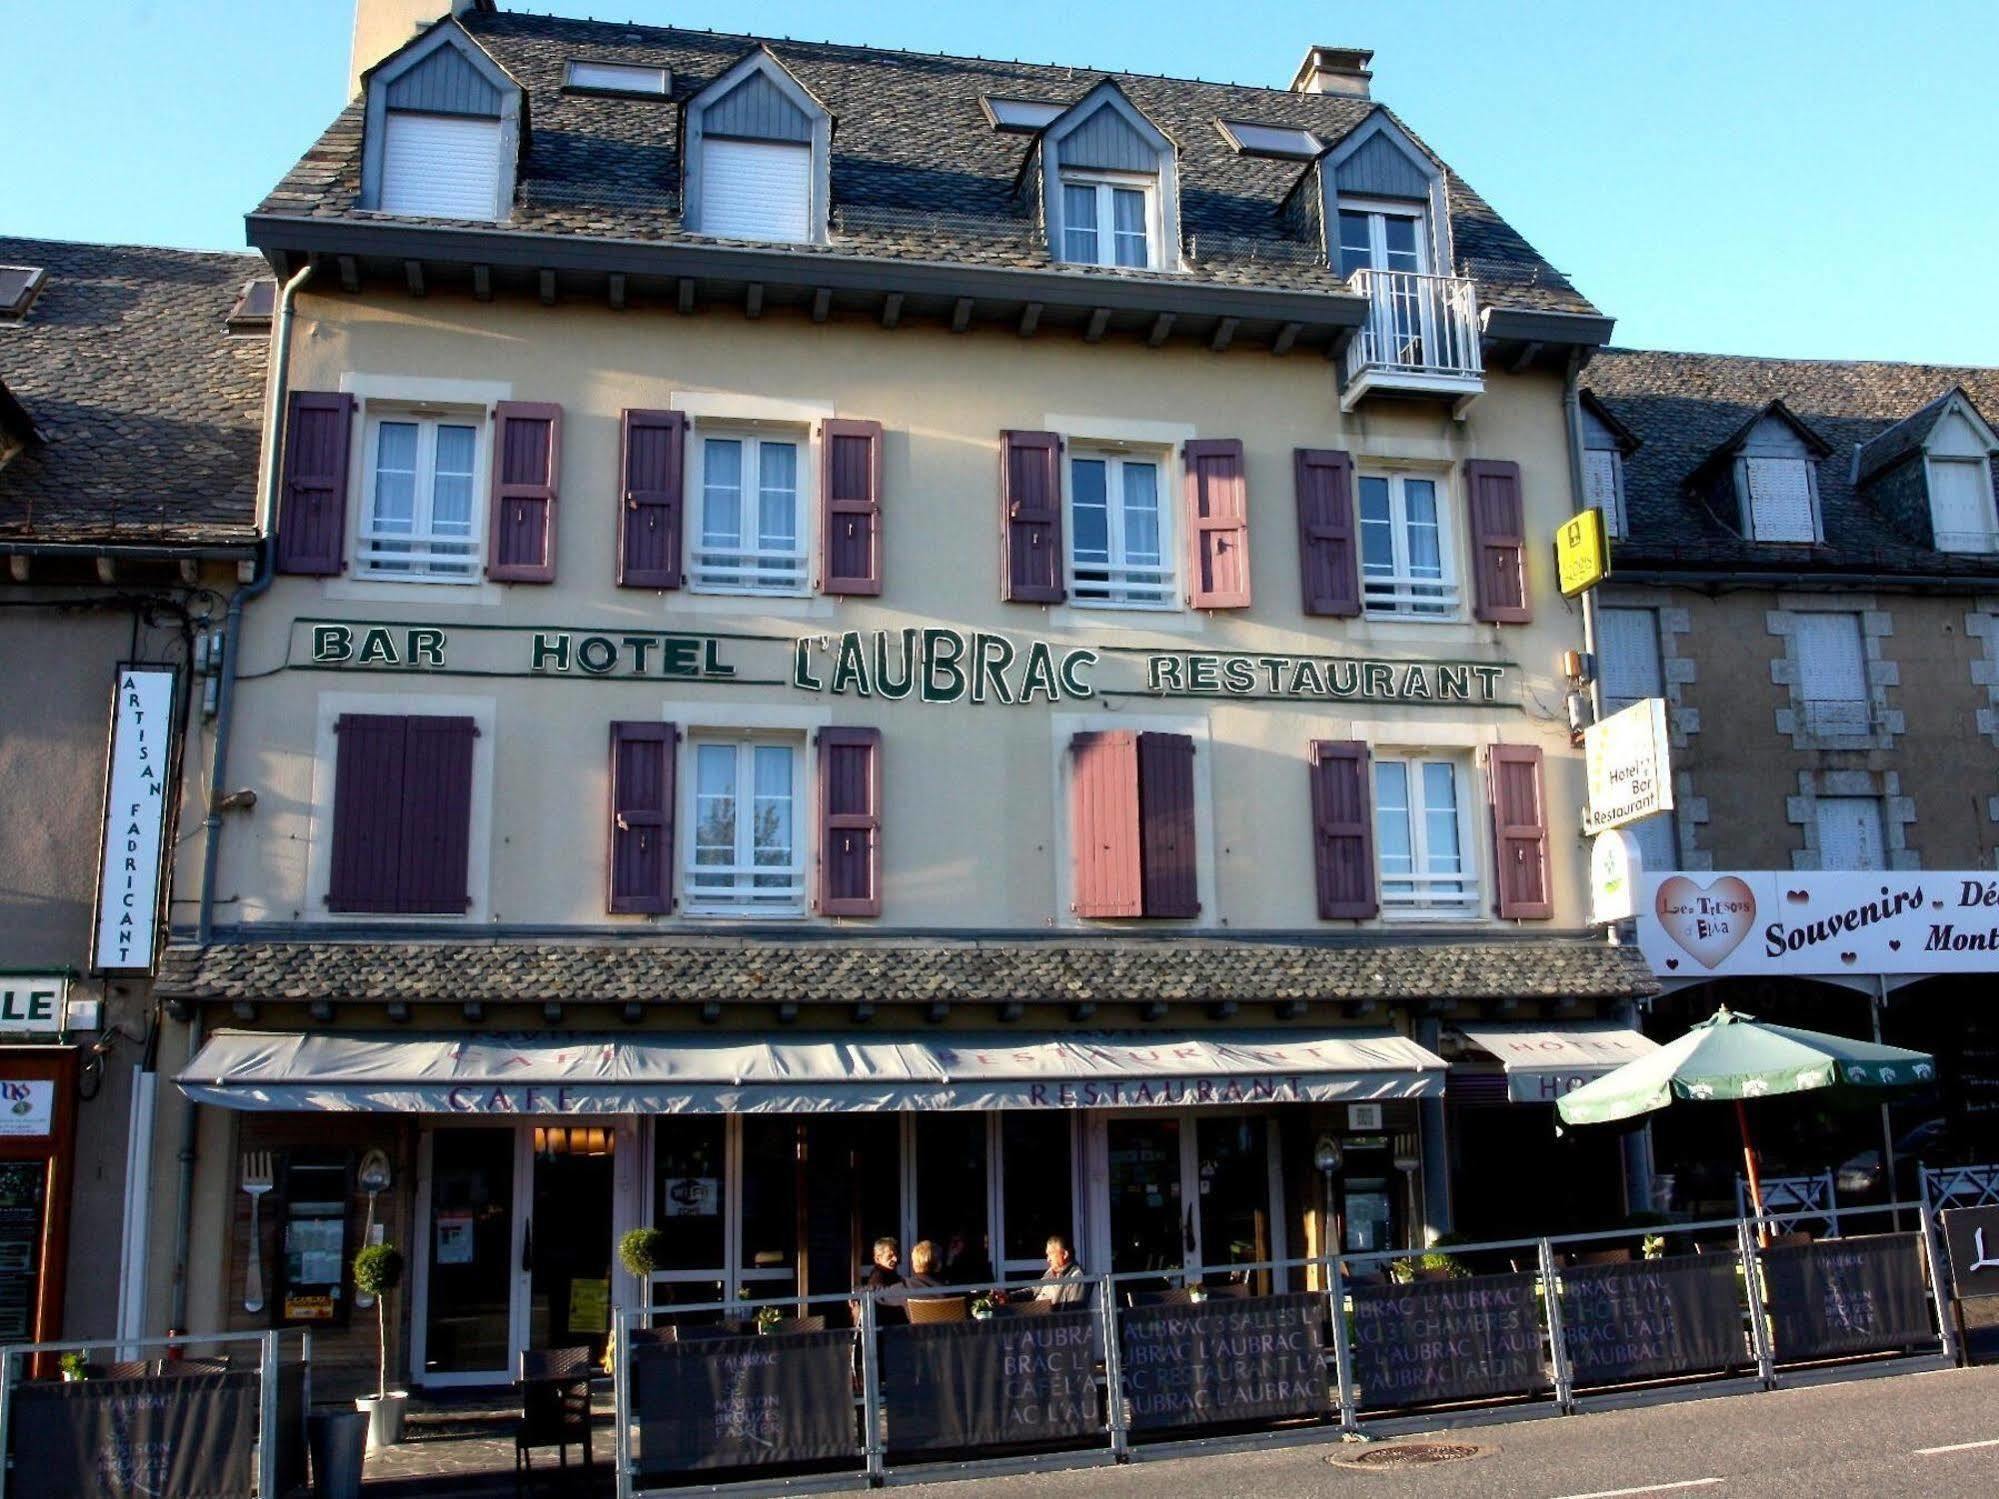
(428, 419)
(614, 77)
(1446, 605)
(703, 577)
(1613, 514)
(1745, 490)
(741, 901)
(1106, 185)
(1468, 883)
(1973, 542)
(1378, 210)
(1118, 570)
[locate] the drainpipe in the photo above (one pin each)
(225, 702)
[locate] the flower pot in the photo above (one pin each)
(385, 1417)
(336, 1439)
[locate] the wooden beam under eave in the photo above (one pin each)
(107, 568)
(822, 303)
(482, 283)
(1527, 355)
(684, 295)
(190, 571)
(614, 291)
(548, 288)
(350, 273)
(892, 309)
(413, 273)
(1099, 320)
(1162, 327)
(961, 314)
(1224, 334)
(753, 300)
(1286, 336)
(1030, 319)
(17, 567)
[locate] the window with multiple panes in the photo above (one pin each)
(1405, 547)
(1107, 220)
(749, 527)
(1831, 659)
(1422, 835)
(1778, 498)
(420, 517)
(1381, 239)
(745, 850)
(1120, 532)
(1850, 833)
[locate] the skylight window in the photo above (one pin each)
(617, 77)
(1021, 114)
(252, 312)
(18, 287)
(1271, 140)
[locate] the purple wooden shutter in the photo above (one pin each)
(1217, 524)
(437, 816)
(1103, 824)
(850, 822)
(1327, 555)
(850, 507)
(1343, 830)
(1498, 542)
(1031, 517)
(527, 465)
(649, 520)
(367, 812)
(641, 839)
(312, 510)
(1520, 832)
(1166, 825)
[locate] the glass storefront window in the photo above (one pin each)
(1234, 1188)
(951, 1194)
(770, 1204)
(1036, 1174)
(689, 1197)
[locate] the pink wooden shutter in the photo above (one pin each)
(367, 812)
(1498, 542)
(1103, 824)
(1343, 830)
(1166, 825)
(312, 509)
(1031, 517)
(527, 465)
(641, 839)
(1520, 832)
(1217, 524)
(849, 822)
(850, 508)
(437, 817)
(1327, 553)
(649, 521)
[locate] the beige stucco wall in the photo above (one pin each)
(974, 820)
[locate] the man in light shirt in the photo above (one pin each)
(1062, 1284)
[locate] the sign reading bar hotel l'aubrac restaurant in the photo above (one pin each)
(135, 819)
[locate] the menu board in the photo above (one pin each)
(1439, 1340)
(23, 1188)
(1651, 1318)
(1843, 1296)
(1971, 1236)
(1225, 1360)
(745, 1402)
(1008, 1381)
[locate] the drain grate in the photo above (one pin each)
(1410, 1455)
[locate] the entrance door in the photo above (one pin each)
(566, 1241)
(1192, 1193)
(466, 1305)
(1152, 1225)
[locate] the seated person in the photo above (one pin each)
(923, 1258)
(1062, 1283)
(882, 1274)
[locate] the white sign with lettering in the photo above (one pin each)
(33, 1005)
(1628, 764)
(27, 1108)
(135, 820)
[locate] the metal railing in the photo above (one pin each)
(1837, 717)
(1416, 325)
(1960, 1186)
(1791, 1200)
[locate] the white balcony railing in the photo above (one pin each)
(1421, 332)
(1840, 717)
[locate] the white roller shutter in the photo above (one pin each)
(1780, 500)
(441, 166)
(756, 190)
(1849, 829)
(1961, 504)
(1832, 672)
(1600, 487)
(1627, 657)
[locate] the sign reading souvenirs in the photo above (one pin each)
(930, 665)
(1628, 763)
(955, 1385)
(33, 1005)
(1436, 1340)
(1800, 922)
(1225, 1360)
(1651, 1318)
(743, 1402)
(1847, 1296)
(1582, 552)
(135, 819)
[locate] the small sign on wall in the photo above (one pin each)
(136, 800)
(33, 1005)
(1364, 1117)
(27, 1108)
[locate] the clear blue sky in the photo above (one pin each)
(1814, 180)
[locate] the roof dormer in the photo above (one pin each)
(1110, 185)
(1386, 207)
(1764, 477)
(1932, 472)
(443, 130)
(757, 150)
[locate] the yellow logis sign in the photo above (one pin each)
(1582, 553)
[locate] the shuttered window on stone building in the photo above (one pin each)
(402, 815)
(1132, 825)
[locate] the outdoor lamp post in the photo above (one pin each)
(1326, 1156)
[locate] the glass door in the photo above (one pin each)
(1232, 1187)
(1152, 1222)
(1390, 240)
(566, 1240)
(1191, 1193)
(466, 1306)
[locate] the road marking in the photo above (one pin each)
(1650, 1488)
(1956, 1447)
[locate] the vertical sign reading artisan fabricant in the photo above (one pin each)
(135, 819)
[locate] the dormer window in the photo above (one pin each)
(1021, 116)
(1957, 457)
(1111, 198)
(1606, 441)
(757, 145)
(1106, 220)
(442, 132)
(1776, 483)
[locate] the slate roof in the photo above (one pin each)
(886, 971)
(1683, 407)
(146, 409)
(918, 172)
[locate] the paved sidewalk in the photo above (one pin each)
(466, 1447)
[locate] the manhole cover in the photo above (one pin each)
(1410, 1454)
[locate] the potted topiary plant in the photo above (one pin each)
(378, 1270)
(640, 1252)
(75, 1367)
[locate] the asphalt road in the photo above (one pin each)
(1931, 1433)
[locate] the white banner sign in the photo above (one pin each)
(33, 1005)
(135, 820)
(1703, 925)
(1628, 764)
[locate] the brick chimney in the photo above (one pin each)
(383, 26)
(1334, 70)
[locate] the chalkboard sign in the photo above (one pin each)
(185, 1437)
(1844, 1296)
(1009, 1381)
(1971, 1237)
(23, 1186)
(1439, 1340)
(1652, 1318)
(745, 1402)
(1253, 1359)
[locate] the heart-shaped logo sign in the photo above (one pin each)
(1709, 921)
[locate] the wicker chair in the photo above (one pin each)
(938, 1309)
(1230, 1290)
(798, 1324)
(1172, 1296)
(555, 1406)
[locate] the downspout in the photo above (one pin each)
(218, 767)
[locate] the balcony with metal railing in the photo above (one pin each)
(1421, 338)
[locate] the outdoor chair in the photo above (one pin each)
(1023, 1308)
(938, 1309)
(131, 1368)
(1229, 1290)
(799, 1324)
(1173, 1296)
(1790, 1240)
(555, 1406)
(1601, 1257)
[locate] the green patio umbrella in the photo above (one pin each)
(1730, 1056)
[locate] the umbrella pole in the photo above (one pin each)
(1755, 1181)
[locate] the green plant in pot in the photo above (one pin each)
(75, 1367)
(378, 1270)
